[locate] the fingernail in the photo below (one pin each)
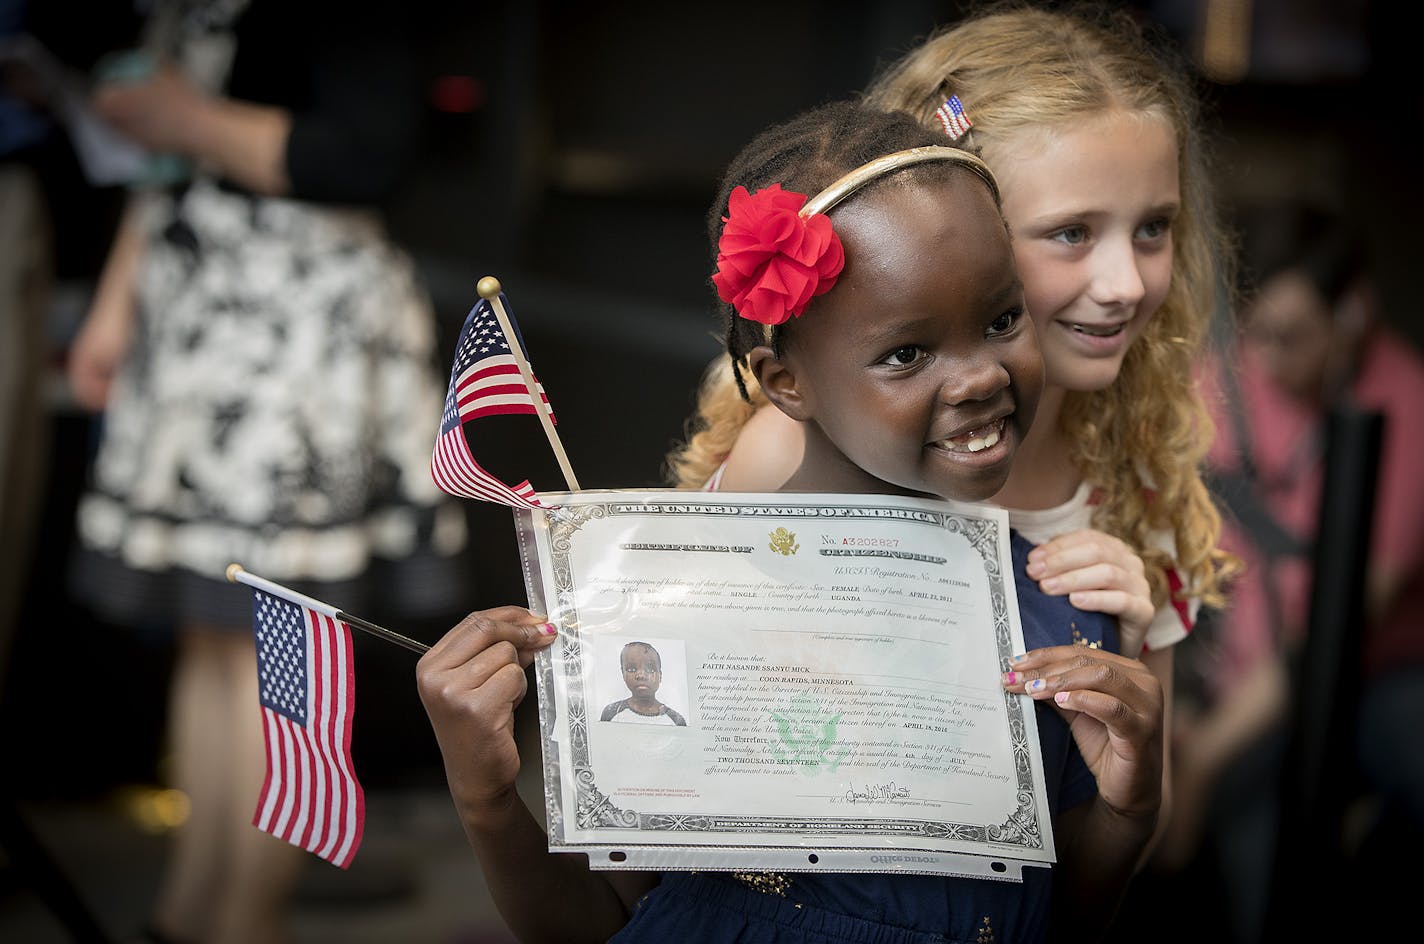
(1010, 678)
(1060, 697)
(1034, 568)
(1051, 585)
(1018, 658)
(548, 629)
(1036, 685)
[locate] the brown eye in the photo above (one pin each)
(903, 356)
(1005, 322)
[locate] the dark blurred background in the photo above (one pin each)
(572, 149)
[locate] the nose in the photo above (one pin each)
(1116, 277)
(973, 379)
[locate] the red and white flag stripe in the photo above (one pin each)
(311, 797)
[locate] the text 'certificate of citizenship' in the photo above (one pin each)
(783, 681)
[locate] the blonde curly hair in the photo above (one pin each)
(1142, 440)
(721, 413)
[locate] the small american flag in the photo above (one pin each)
(484, 381)
(952, 118)
(306, 686)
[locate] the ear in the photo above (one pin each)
(778, 381)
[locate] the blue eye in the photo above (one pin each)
(1071, 235)
(1154, 229)
(905, 356)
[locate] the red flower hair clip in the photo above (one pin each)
(771, 261)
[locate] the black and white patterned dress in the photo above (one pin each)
(277, 409)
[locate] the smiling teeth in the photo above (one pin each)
(976, 440)
(975, 445)
(1097, 331)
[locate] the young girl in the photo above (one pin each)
(1093, 135)
(915, 372)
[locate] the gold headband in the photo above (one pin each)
(881, 166)
(848, 184)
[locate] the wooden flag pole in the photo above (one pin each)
(237, 574)
(489, 289)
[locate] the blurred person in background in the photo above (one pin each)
(26, 271)
(264, 357)
(1310, 338)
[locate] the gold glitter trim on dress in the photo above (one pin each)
(768, 883)
(1080, 640)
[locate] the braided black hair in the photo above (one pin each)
(806, 154)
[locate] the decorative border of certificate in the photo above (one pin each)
(584, 550)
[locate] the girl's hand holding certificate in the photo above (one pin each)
(1114, 708)
(470, 683)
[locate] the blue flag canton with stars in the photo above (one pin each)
(483, 338)
(480, 338)
(451, 417)
(281, 633)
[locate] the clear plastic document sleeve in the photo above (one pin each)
(825, 693)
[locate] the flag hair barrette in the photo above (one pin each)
(952, 118)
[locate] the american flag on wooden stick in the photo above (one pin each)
(306, 686)
(485, 381)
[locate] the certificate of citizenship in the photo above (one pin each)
(820, 689)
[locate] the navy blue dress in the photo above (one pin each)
(872, 908)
